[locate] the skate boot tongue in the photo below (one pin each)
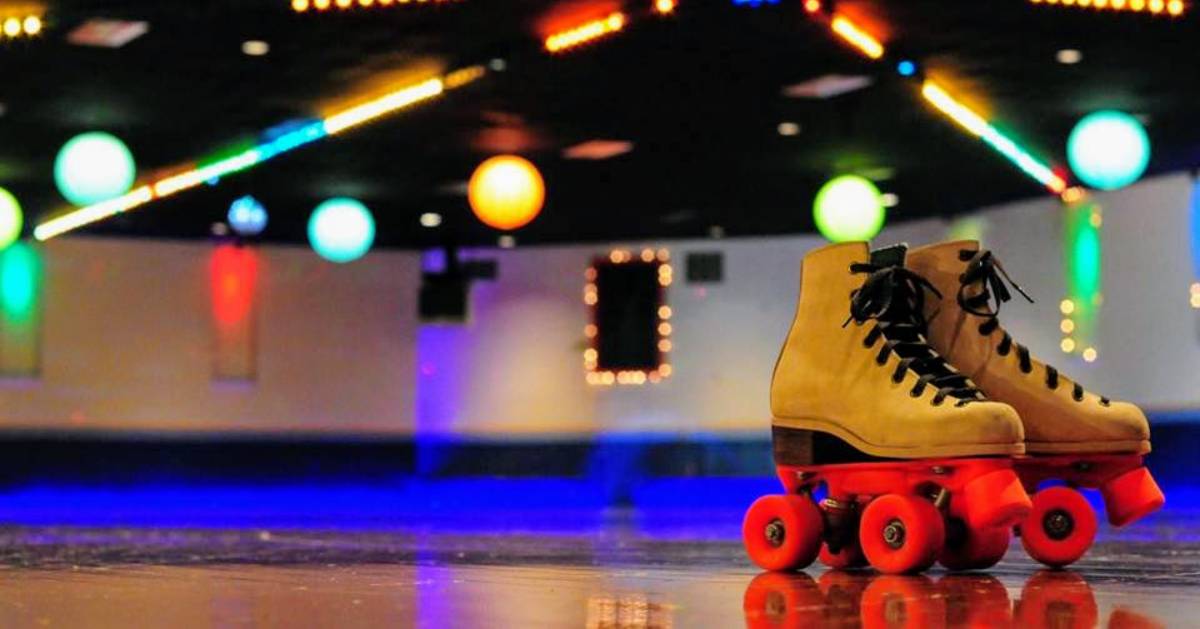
(983, 288)
(894, 297)
(889, 256)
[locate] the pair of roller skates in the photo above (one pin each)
(909, 428)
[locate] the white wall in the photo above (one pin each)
(127, 334)
(127, 343)
(517, 369)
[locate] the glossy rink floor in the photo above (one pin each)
(624, 569)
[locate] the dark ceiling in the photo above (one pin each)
(698, 93)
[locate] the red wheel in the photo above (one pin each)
(968, 549)
(900, 534)
(894, 601)
(849, 556)
(1130, 496)
(775, 599)
(782, 532)
(1060, 528)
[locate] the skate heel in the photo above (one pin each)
(1130, 496)
(995, 499)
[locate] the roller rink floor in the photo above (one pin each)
(561, 569)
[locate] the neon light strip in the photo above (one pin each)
(311, 132)
(1174, 8)
(585, 32)
(976, 125)
(857, 37)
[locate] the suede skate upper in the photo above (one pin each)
(1058, 416)
(828, 378)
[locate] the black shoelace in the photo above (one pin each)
(894, 297)
(985, 270)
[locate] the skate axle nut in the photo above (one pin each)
(1058, 524)
(775, 533)
(893, 533)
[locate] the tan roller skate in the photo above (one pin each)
(906, 449)
(1070, 434)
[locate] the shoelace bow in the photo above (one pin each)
(984, 270)
(894, 297)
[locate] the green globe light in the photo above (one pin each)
(341, 230)
(848, 208)
(11, 219)
(93, 167)
(1108, 149)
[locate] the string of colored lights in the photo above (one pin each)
(1174, 8)
(976, 125)
(13, 26)
(586, 32)
(858, 37)
(307, 133)
(596, 375)
(300, 6)
(316, 130)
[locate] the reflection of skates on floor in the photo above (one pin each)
(1072, 436)
(859, 599)
(914, 463)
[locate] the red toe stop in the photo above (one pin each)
(995, 499)
(1130, 496)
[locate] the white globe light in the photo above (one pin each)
(93, 167)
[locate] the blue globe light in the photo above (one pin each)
(93, 167)
(906, 68)
(1108, 149)
(341, 230)
(247, 216)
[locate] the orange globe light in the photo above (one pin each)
(506, 192)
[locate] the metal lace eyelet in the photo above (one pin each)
(914, 393)
(938, 401)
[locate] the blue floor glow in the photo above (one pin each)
(668, 508)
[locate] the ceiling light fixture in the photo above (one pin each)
(255, 47)
(431, 219)
(598, 149)
(1068, 56)
(788, 129)
(828, 86)
(104, 33)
